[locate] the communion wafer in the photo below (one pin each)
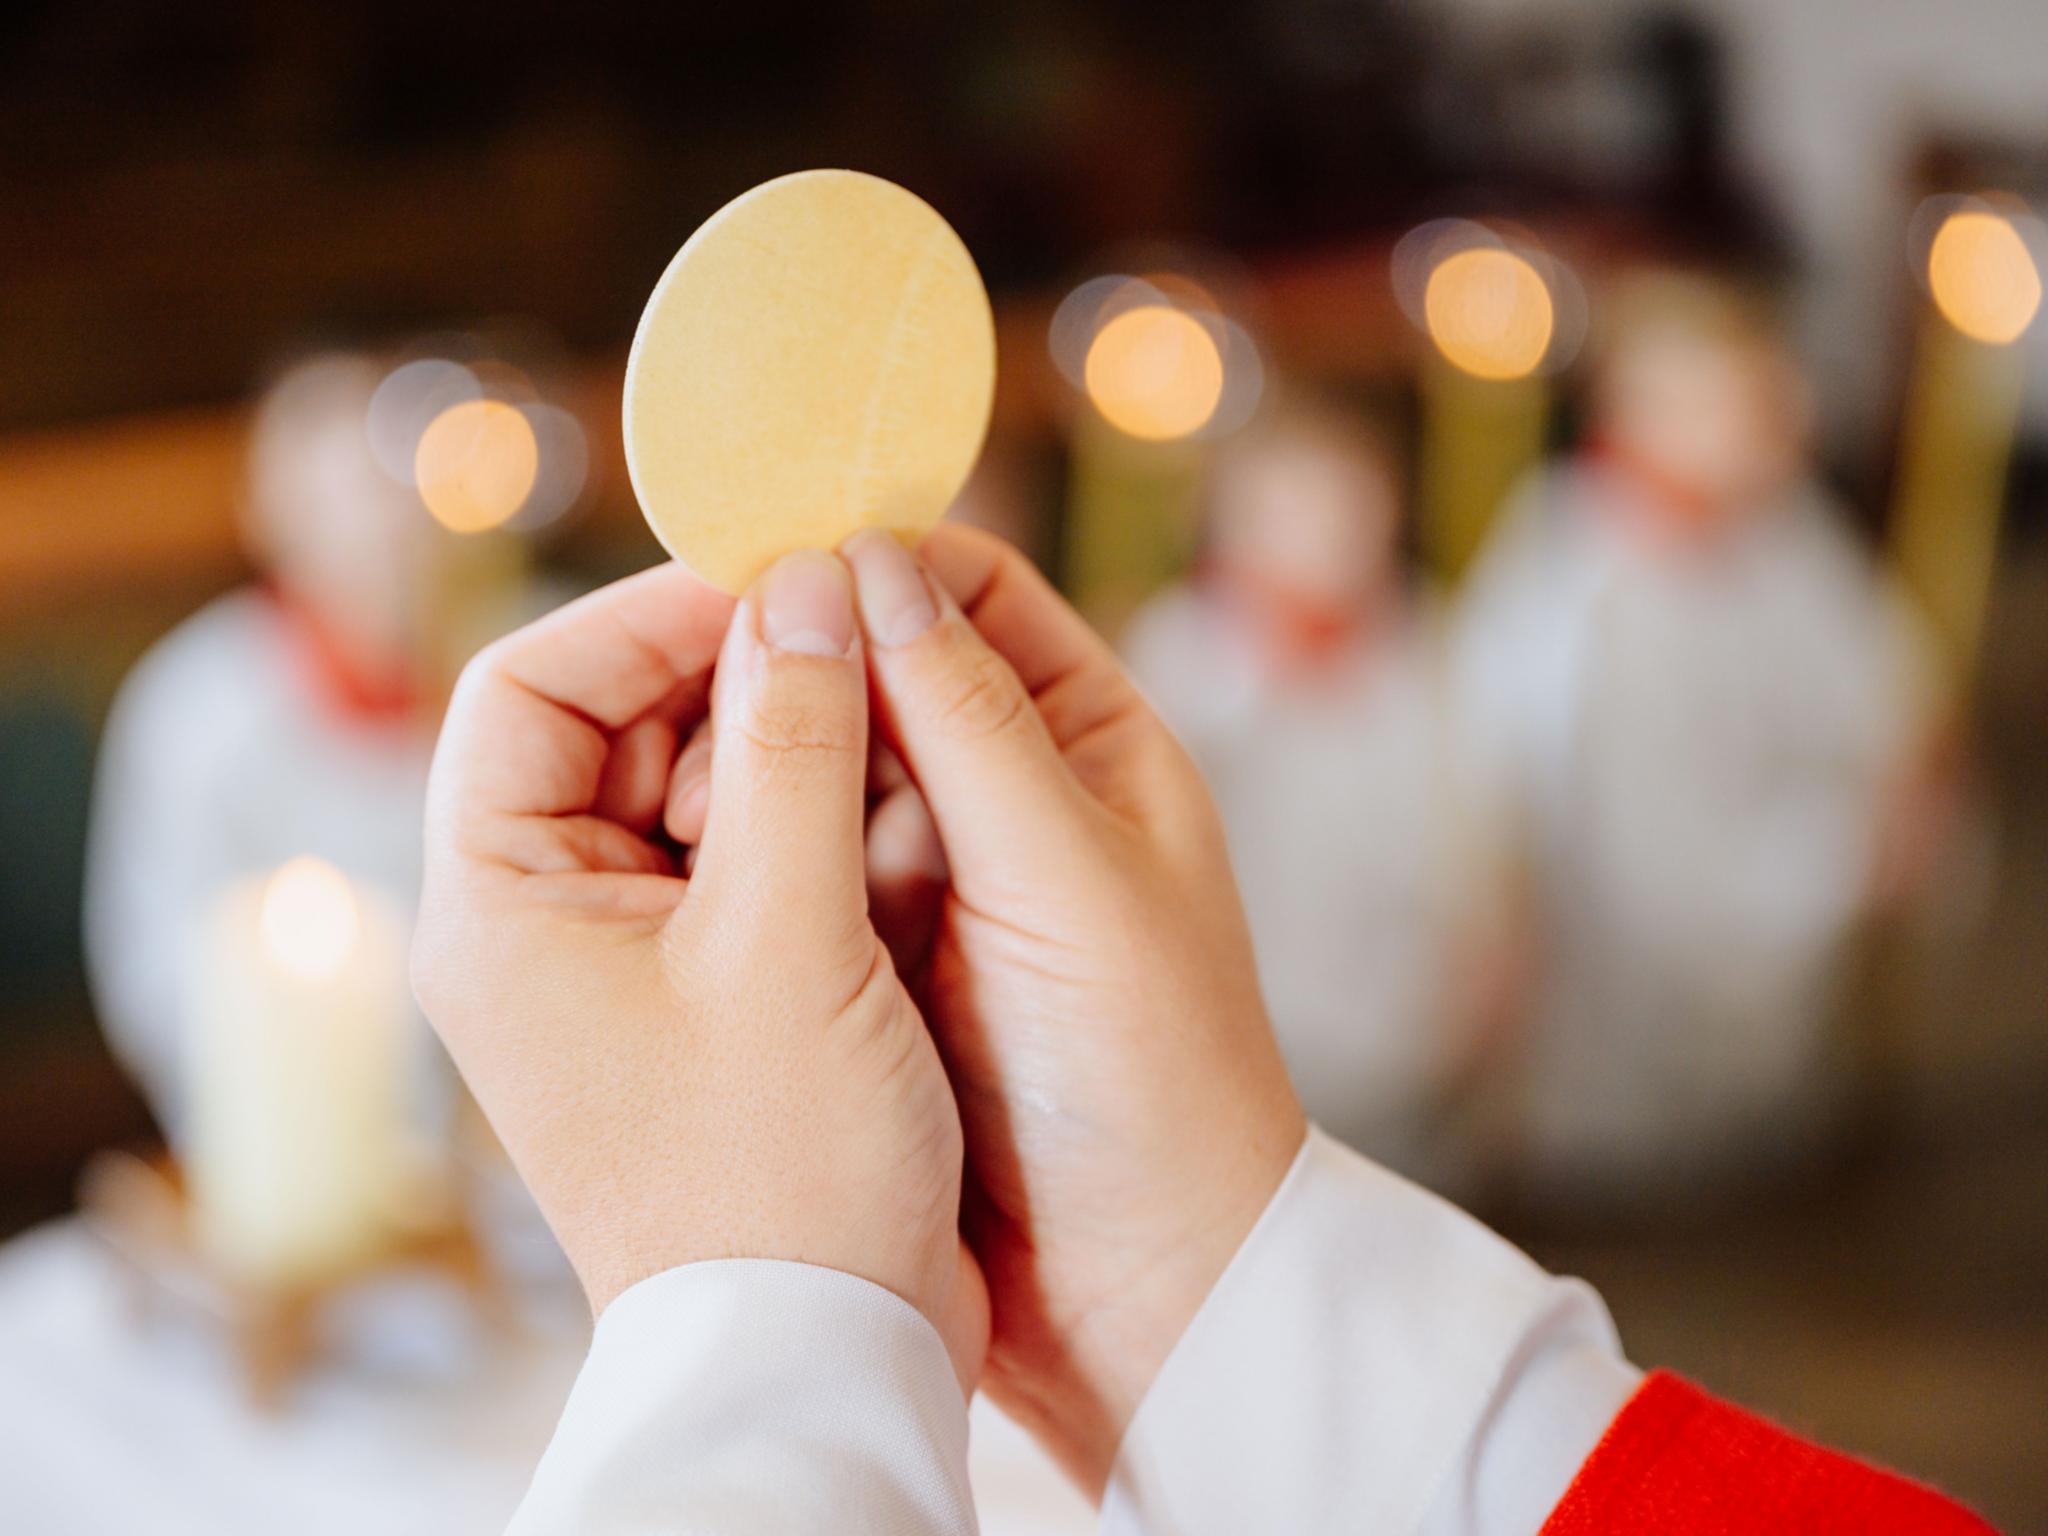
(817, 359)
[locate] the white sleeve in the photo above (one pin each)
(155, 856)
(753, 1397)
(1372, 1360)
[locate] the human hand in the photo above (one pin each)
(717, 1066)
(1091, 984)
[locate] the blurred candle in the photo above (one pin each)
(1962, 410)
(296, 1033)
(1154, 378)
(1161, 373)
(1131, 519)
(476, 464)
(1155, 373)
(1491, 319)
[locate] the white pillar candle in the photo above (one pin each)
(296, 1029)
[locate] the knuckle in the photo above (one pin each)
(868, 1012)
(491, 661)
(874, 992)
(982, 699)
(484, 669)
(795, 727)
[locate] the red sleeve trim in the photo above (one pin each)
(1680, 1462)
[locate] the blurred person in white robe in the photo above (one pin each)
(1304, 675)
(294, 715)
(1696, 709)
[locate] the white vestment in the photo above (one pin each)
(1338, 789)
(1371, 1360)
(221, 759)
(1694, 748)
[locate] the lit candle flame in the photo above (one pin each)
(476, 464)
(1155, 372)
(1490, 313)
(1983, 277)
(309, 919)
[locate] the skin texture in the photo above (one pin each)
(729, 1064)
(1090, 981)
(687, 1069)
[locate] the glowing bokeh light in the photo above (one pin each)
(476, 464)
(564, 466)
(406, 402)
(308, 919)
(1155, 373)
(1082, 315)
(1983, 277)
(1489, 312)
(1182, 291)
(1244, 378)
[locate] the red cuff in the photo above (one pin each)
(1682, 1463)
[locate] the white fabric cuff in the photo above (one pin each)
(761, 1396)
(1338, 1374)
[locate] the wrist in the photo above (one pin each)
(1102, 1367)
(1077, 1386)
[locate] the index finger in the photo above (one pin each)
(1070, 671)
(531, 722)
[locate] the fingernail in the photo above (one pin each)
(807, 605)
(691, 785)
(688, 806)
(895, 604)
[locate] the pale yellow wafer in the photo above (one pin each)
(819, 358)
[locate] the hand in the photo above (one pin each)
(685, 1069)
(1091, 984)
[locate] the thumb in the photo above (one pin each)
(962, 720)
(783, 836)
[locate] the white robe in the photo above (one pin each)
(1694, 750)
(1340, 796)
(219, 760)
(1371, 1360)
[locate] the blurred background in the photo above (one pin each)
(1574, 474)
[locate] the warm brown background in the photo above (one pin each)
(186, 191)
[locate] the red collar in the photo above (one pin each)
(1297, 634)
(338, 678)
(1671, 510)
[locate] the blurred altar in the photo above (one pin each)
(1575, 477)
